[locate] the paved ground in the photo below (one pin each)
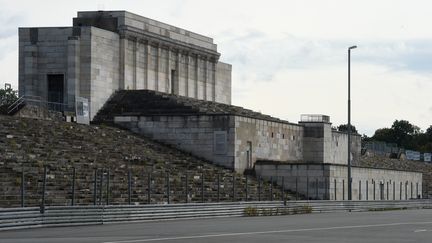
(390, 226)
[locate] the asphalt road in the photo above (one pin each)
(389, 226)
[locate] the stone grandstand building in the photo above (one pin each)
(167, 83)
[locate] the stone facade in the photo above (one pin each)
(105, 51)
(329, 181)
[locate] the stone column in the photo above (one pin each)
(177, 74)
(147, 56)
(196, 75)
(187, 72)
(135, 63)
(122, 55)
(31, 83)
(73, 71)
(214, 80)
(168, 82)
(158, 66)
(205, 77)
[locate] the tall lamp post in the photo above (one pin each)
(349, 123)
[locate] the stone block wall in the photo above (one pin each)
(269, 140)
(193, 134)
(326, 181)
(223, 83)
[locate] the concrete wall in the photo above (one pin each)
(323, 145)
(194, 134)
(324, 181)
(269, 140)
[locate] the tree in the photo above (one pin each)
(8, 96)
(344, 128)
(384, 135)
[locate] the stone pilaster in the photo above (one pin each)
(73, 71)
(147, 55)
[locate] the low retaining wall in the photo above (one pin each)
(31, 217)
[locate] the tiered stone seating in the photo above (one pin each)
(28, 145)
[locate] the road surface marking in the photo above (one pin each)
(420, 230)
(266, 232)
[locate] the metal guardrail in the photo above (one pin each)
(37, 101)
(31, 217)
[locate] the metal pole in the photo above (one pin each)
(367, 190)
(271, 188)
(187, 188)
(22, 187)
(202, 187)
(349, 124)
(42, 208)
(108, 187)
(168, 187)
(247, 191)
(307, 187)
(259, 188)
(283, 190)
(296, 185)
(129, 187)
(335, 190)
(218, 187)
(316, 188)
(343, 189)
(95, 187)
(73, 186)
(100, 187)
(233, 187)
(149, 188)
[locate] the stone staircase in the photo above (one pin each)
(27, 145)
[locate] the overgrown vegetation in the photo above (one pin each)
(7, 97)
(253, 211)
(405, 135)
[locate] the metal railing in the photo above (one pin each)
(36, 101)
(21, 218)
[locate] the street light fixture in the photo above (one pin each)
(349, 123)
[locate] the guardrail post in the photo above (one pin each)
(73, 186)
(129, 187)
(202, 187)
(218, 187)
(22, 187)
(168, 187)
(271, 188)
(233, 188)
(296, 186)
(95, 187)
(149, 188)
(316, 189)
(42, 207)
(108, 187)
(247, 191)
(100, 186)
(187, 187)
(283, 190)
(259, 188)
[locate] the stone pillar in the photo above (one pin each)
(177, 74)
(135, 63)
(187, 73)
(158, 67)
(168, 82)
(147, 56)
(214, 81)
(31, 83)
(122, 55)
(196, 75)
(205, 78)
(73, 71)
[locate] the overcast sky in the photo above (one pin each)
(289, 57)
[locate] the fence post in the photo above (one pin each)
(233, 188)
(202, 187)
(271, 188)
(42, 207)
(296, 185)
(400, 191)
(247, 191)
(335, 190)
(129, 187)
(187, 187)
(100, 186)
(167, 182)
(360, 194)
(73, 186)
(22, 187)
(149, 188)
(307, 187)
(325, 189)
(95, 187)
(374, 183)
(283, 190)
(108, 187)
(316, 188)
(259, 188)
(218, 187)
(394, 191)
(367, 190)
(343, 189)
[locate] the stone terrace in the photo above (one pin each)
(148, 102)
(28, 145)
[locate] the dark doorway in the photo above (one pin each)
(55, 91)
